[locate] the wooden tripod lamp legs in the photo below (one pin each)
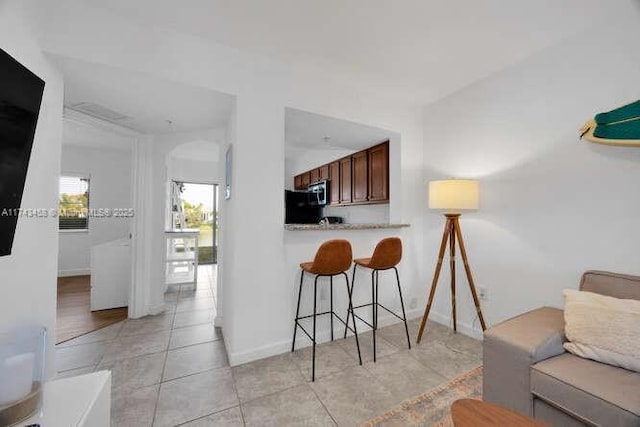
(467, 269)
(451, 232)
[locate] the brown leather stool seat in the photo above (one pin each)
(386, 256)
(333, 258)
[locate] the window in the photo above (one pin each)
(73, 208)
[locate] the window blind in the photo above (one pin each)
(73, 208)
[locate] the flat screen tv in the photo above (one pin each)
(20, 98)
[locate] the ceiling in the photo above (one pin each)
(306, 131)
(82, 134)
(420, 49)
(152, 105)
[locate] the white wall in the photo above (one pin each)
(552, 206)
(109, 188)
(28, 291)
(257, 303)
(360, 214)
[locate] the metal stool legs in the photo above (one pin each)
(312, 336)
(295, 329)
(374, 307)
(404, 314)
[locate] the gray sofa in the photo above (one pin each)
(527, 369)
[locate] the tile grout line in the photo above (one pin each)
(244, 420)
(194, 344)
(235, 388)
(195, 373)
(155, 406)
(323, 405)
(304, 382)
(208, 415)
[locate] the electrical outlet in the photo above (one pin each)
(483, 293)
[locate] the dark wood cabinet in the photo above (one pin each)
(345, 180)
(379, 173)
(362, 178)
(334, 183)
(314, 175)
(359, 177)
(305, 180)
(324, 172)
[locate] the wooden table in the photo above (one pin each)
(476, 413)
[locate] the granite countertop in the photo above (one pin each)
(305, 227)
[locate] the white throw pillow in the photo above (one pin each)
(603, 328)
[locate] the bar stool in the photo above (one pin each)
(333, 258)
(386, 256)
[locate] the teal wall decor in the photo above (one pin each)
(617, 127)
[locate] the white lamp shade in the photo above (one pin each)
(454, 194)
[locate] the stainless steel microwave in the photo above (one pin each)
(319, 193)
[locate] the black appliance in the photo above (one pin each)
(20, 98)
(319, 193)
(298, 210)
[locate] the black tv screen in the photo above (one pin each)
(20, 98)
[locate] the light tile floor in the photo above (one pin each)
(172, 369)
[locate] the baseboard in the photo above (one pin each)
(74, 272)
(463, 327)
(302, 341)
(268, 350)
(152, 310)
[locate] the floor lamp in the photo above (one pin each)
(452, 195)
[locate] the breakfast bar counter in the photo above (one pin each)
(372, 226)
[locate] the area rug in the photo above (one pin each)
(433, 407)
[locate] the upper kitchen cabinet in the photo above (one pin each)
(379, 173)
(362, 178)
(334, 183)
(324, 172)
(302, 181)
(314, 175)
(345, 180)
(306, 180)
(359, 177)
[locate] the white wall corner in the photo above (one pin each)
(140, 230)
(463, 327)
